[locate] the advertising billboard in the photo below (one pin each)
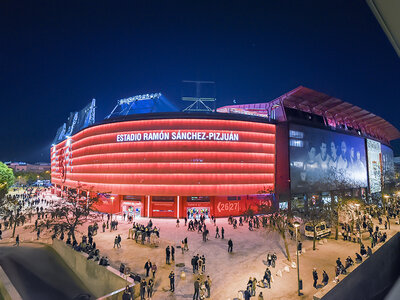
(374, 166)
(387, 164)
(322, 160)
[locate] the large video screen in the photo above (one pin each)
(322, 160)
(387, 164)
(374, 166)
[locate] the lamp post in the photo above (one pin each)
(296, 225)
(384, 203)
(112, 206)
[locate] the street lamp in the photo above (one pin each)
(296, 225)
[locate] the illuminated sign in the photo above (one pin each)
(374, 166)
(178, 136)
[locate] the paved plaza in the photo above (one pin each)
(229, 271)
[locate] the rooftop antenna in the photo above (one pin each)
(198, 100)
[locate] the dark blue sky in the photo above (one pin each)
(55, 56)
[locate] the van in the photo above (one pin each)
(321, 230)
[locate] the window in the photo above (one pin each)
(162, 199)
(296, 134)
(296, 143)
(198, 199)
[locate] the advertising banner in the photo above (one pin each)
(387, 164)
(374, 166)
(322, 160)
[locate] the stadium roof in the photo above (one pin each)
(335, 112)
(387, 14)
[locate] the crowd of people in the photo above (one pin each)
(352, 231)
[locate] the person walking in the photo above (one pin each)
(104, 227)
(154, 269)
(173, 253)
(119, 241)
(183, 247)
(217, 233)
(17, 241)
(167, 255)
(196, 289)
(147, 267)
(230, 246)
(172, 281)
(38, 233)
(177, 223)
(222, 233)
(325, 278)
(116, 241)
(315, 277)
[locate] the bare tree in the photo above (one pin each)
(340, 196)
(279, 221)
(74, 210)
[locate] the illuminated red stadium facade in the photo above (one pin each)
(165, 166)
(224, 163)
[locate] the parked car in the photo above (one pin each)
(321, 230)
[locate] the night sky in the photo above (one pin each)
(56, 56)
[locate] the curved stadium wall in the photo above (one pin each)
(174, 158)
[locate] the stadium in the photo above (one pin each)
(149, 159)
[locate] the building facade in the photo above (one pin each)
(273, 155)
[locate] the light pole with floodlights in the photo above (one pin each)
(296, 225)
(112, 206)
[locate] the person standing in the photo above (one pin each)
(207, 283)
(186, 244)
(116, 241)
(200, 265)
(203, 268)
(196, 289)
(177, 223)
(38, 233)
(183, 247)
(143, 289)
(167, 255)
(315, 277)
(104, 227)
(247, 295)
(173, 253)
(154, 269)
(150, 287)
(17, 241)
(222, 233)
(193, 262)
(147, 267)
(127, 295)
(172, 281)
(230, 246)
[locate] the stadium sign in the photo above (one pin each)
(178, 136)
